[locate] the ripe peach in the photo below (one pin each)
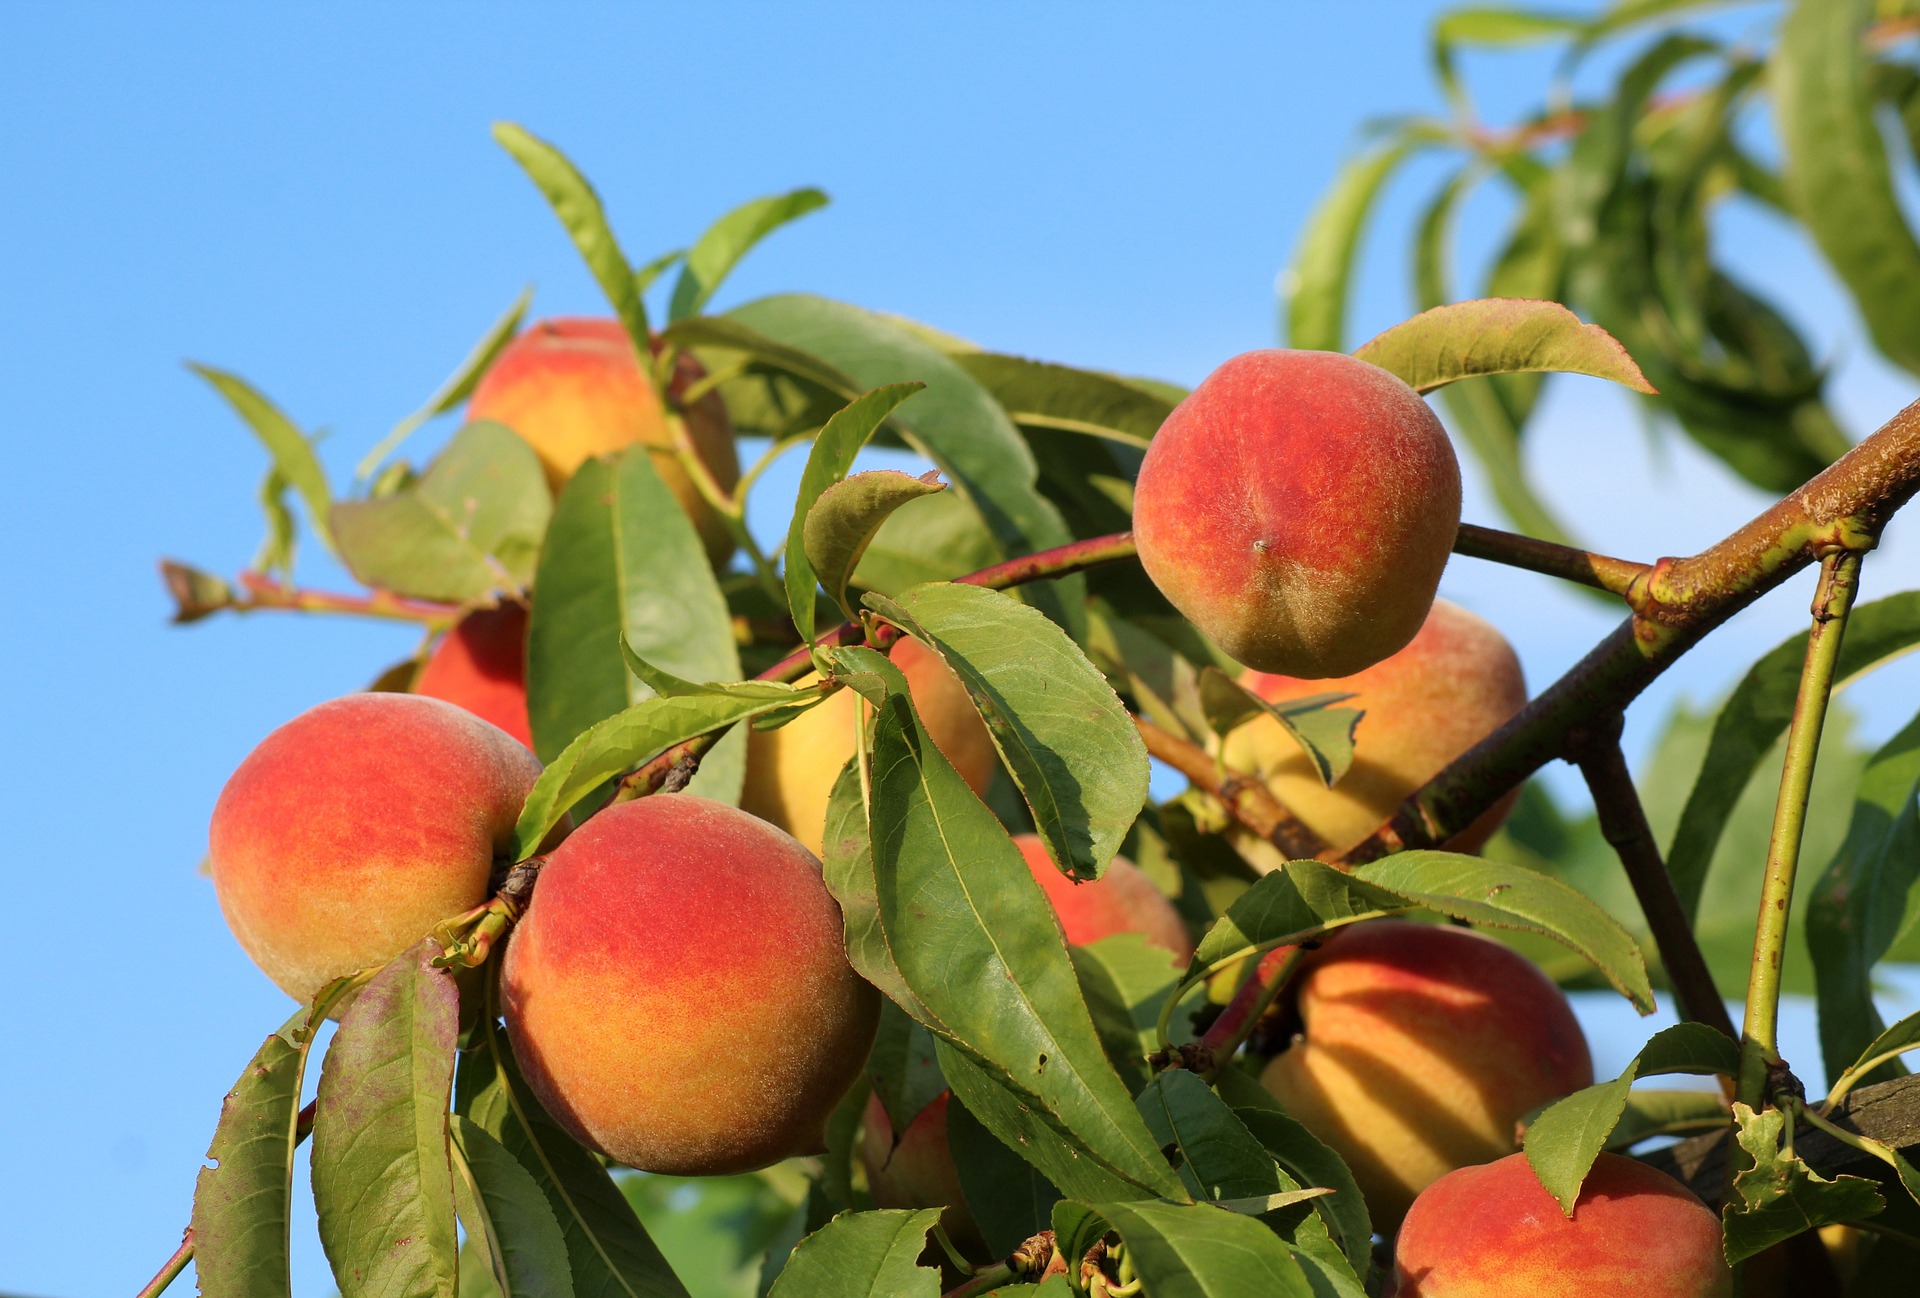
(1495, 1232)
(918, 1170)
(677, 992)
(482, 667)
(1123, 900)
(1421, 1046)
(1456, 683)
(574, 389)
(356, 827)
(791, 771)
(1298, 508)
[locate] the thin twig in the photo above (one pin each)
(1623, 822)
(1597, 570)
(1243, 1013)
(1245, 797)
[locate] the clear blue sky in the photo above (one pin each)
(307, 194)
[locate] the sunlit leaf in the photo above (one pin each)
(242, 1205)
(458, 386)
(863, 1255)
(1065, 737)
(470, 527)
(732, 237)
(622, 562)
(1498, 336)
(382, 1181)
(1779, 1196)
(293, 454)
(578, 207)
(839, 527)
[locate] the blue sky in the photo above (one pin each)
(309, 196)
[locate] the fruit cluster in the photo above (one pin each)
(677, 992)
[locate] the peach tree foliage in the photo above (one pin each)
(646, 668)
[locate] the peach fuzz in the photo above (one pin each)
(1457, 682)
(574, 389)
(1298, 507)
(1421, 1046)
(791, 771)
(1495, 1232)
(917, 1171)
(677, 993)
(481, 666)
(359, 825)
(1122, 900)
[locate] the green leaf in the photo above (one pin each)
(1506, 896)
(938, 538)
(1895, 1041)
(623, 562)
(1067, 740)
(1316, 308)
(971, 935)
(501, 1205)
(1837, 169)
(1324, 732)
(1501, 27)
(1308, 897)
(381, 1177)
(1307, 1159)
(1010, 1200)
(293, 455)
(1865, 900)
(242, 1205)
(1779, 1196)
(1125, 979)
(841, 524)
(1200, 1251)
(954, 423)
(906, 1075)
(622, 741)
(469, 528)
(1652, 1112)
(579, 210)
(1297, 902)
(1499, 336)
(863, 1255)
(608, 1250)
(729, 239)
(1756, 714)
(1218, 1158)
(827, 464)
(458, 387)
(1036, 394)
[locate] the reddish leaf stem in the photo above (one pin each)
(171, 1270)
(1245, 797)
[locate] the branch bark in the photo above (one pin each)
(1623, 822)
(1676, 603)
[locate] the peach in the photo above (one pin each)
(1453, 685)
(1421, 1046)
(917, 1170)
(356, 827)
(482, 667)
(791, 771)
(677, 993)
(574, 389)
(1123, 900)
(1298, 508)
(1495, 1232)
